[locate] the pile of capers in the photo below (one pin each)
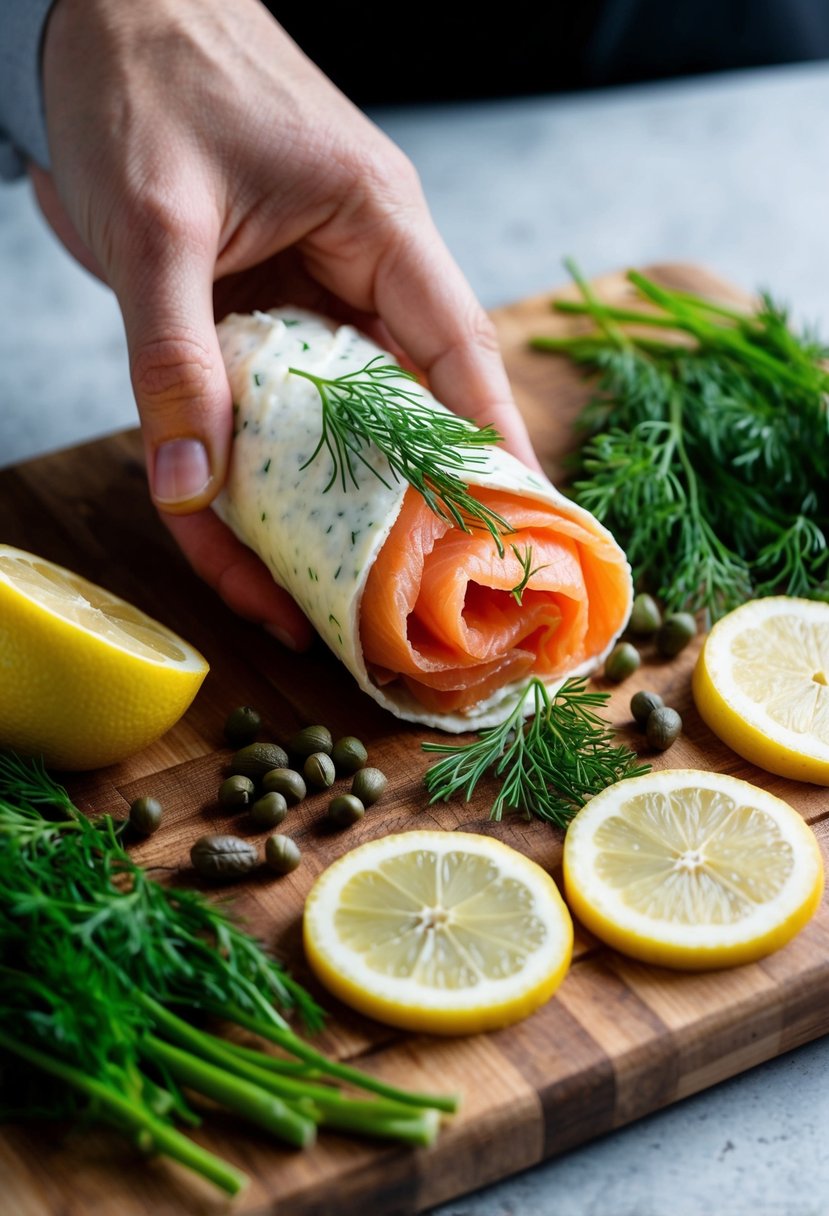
(263, 783)
(670, 635)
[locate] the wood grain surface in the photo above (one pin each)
(619, 1040)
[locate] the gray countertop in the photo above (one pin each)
(727, 171)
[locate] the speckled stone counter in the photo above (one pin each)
(727, 171)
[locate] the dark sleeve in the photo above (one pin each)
(22, 122)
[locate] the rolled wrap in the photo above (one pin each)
(425, 623)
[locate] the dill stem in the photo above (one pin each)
(390, 1119)
(725, 336)
(128, 1115)
(244, 1097)
(269, 1063)
(333, 1068)
(581, 309)
(683, 314)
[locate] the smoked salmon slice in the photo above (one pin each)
(438, 613)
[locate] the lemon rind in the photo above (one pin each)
(678, 946)
(490, 1005)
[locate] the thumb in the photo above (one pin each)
(178, 376)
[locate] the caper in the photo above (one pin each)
(368, 785)
(218, 856)
(282, 854)
(269, 810)
(345, 810)
(645, 616)
(236, 792)
(284, 781)
(349, 754)
(257, 759)
(319, 771)
(664, 725)
(643, 703)
(622, 661)
(145, 815)
(310, 740)
(242, 725)
(675, 633)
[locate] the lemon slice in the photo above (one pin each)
(86, 679)
(446, 932)
(691, 869)
(762, 685)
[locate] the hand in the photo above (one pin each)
(202, 164)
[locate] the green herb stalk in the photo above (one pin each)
(707, 458)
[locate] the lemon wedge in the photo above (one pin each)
(691, 869)
(445, 932)
(86, 679)
(761, 684)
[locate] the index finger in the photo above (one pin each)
(431, 311)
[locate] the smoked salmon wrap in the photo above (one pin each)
(439, 625)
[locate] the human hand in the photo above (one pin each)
(202, 164)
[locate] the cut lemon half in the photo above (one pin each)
(691, 869)
(86, 679)
(761, 684)
(445, 932)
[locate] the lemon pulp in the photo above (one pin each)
(761, 684)
(691, 869)
(86, 678)
(442, 931)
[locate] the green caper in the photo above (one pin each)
(269, 810)
(664, 725)
(643, 703)
(675, 633)
(344, 810)
(235, 793)
(285, 781)
(282, 854)
(242, 725)
(622, 661)
(257, 759)
(319, 771)
(349, 754)
(645, 616)
(145, 815)
(368, 785)
(218, 856)
(310, 740)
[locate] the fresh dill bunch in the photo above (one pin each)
(381, 405)
(548, 765)
(709, 461)
(96, 955)
(176, 943)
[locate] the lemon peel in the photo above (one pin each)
(444, 932)
(691, 869)
(86, 678)
(761, 683)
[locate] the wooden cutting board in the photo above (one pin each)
(619, 1040)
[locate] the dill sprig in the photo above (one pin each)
(525, 559)
(103, 969)
(380, 405)
(547, 766)
(708, 459)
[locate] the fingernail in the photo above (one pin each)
(182, 470)
(281, 636)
